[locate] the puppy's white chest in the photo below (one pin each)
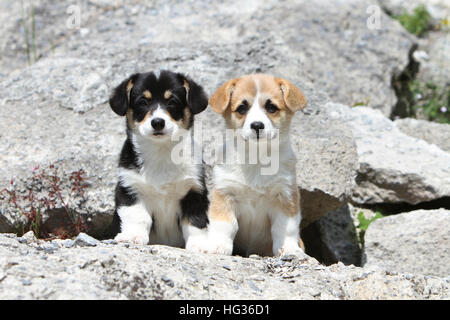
(253, 212)
(161, 194)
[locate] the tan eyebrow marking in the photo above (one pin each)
(167, 94)
(147, 94)
(147, 115)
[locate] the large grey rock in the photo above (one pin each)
(394, 167)
(91, 141)
(76, 84)
(350, 59)
(40, 132)
(159, 272)
(53, 25)
(434, 59)
(337, 49)
(432, 132)
(319, 46)
(416, 242)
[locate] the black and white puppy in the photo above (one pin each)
(158, 200)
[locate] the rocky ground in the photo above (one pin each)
(353, 154)
(85, 268)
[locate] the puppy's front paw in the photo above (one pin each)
(292, 250)
(223, 246)
(197, 244)
(133, 238)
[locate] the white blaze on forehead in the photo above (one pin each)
(157, 73)
(256, 113)
(160, 113)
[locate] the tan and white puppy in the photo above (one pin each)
(251, 212)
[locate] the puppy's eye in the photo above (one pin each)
(142, 102)
(243, 107)
(172, 101)
(270, 107)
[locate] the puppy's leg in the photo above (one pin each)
(222, 224)
(194, 220)
(135, 224)
(135, 220)
(286, 227)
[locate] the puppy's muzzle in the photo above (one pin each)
(257, 127)
(158, 124)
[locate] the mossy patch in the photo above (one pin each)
(417, 23)
(430, 101)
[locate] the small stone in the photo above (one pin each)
(29, 237)
(26, 282)
(84, 240)
(68, 243)
(22, 240)
(255, 256)
(49, 247)
(227, 267)
(168, 281)
(316, 293)
(257, 278)
(288, 257)
(279, 263)
(252, 285)
(109, 241)
(107, 262)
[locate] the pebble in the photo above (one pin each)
(168, 281)
(27, 238)
(227, 267)
(68, 243)
(109, 241)
(252, 285)
(257, 278)
(22, 240)
(279, 263)
(84, 240)
(48, 247)
(26, 282)
(315, 293)
(288, 258)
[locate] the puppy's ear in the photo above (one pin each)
(293, 97)
(196, 97)
(220, 100)
(120, 98)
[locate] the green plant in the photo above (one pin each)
(362, 103)
(30, 44)
(364, 223)
(416, 23)
(430, 101)
(35, 225)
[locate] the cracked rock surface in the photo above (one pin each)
(111, 271)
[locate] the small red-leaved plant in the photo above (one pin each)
(45, 193)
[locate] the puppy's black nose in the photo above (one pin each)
(158, 123)
(257, 126)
